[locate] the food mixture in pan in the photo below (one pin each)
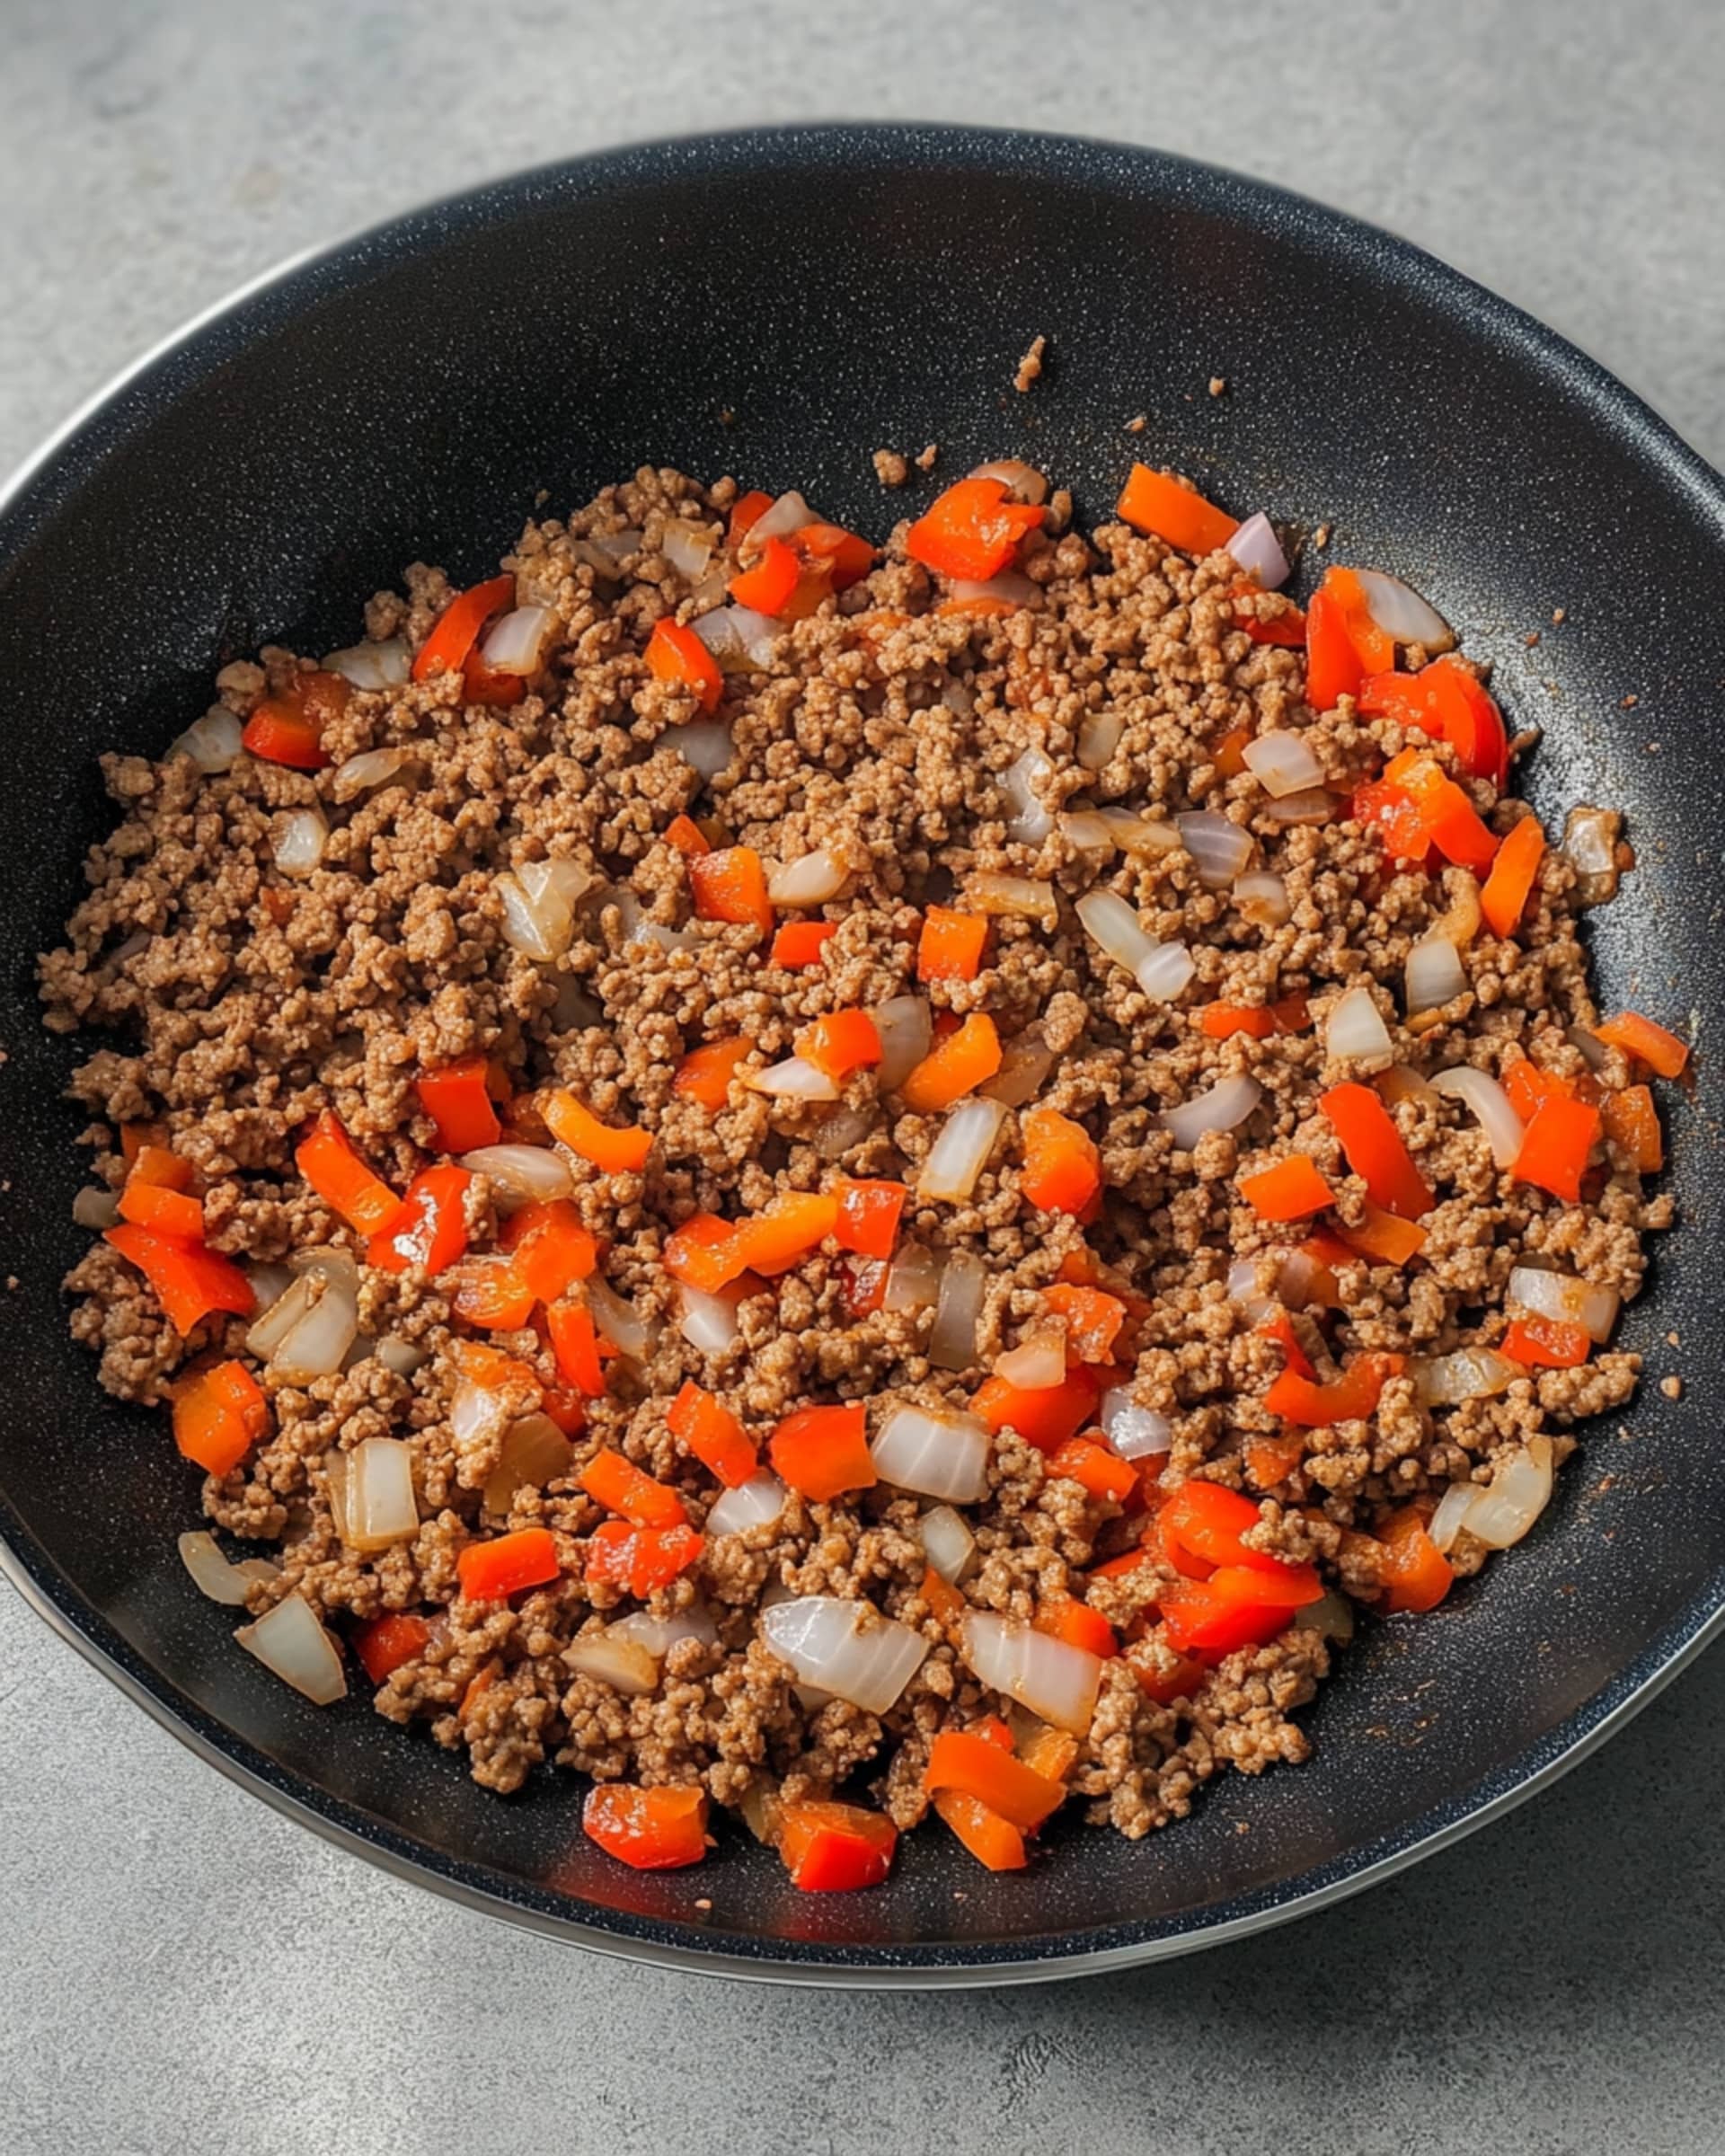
(843, 1182)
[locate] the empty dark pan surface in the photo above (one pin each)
(778, 304)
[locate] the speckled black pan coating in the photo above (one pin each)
(778, 305)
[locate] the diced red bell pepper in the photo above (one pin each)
(457, 628)
(972, 531)
(868, 1216)
(994, 1842)
(823, 1452)
(612, 1151)
(1555, 1146)
(1077, 1624)
(1237, 1607)
(966, 1059)
(1093, 1319)
(676, 655)
(1204, 1520)
(1094, 1468)
(799, 943)
(1165, 506)
(640, 1559)
(650, 1830)
(327, 1160)
(1416, 1573)
(189, 1281)
(550, 1249)
(1375, 1149)
(731, 884)
(458, 1101)
(1651, 1044)
(288, 728)
(703, 1253)
(709, 1429)
(1350, 1398)
(1547, 1343)
(1062, 1170)
(831, 1848)
(1044, 1416)
(841, 1042)
(704, 1074)
(487, 1289)
(951, 946)
(174, 1214)
(960, 1759)
(796, 1223)
(385, 1643)
(575, 1342)
(218, 1416)
(612, 1480)
(431, 1228)
(494, 1571)
(1288, 1190)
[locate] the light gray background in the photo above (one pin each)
(180, 1970)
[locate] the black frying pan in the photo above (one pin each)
(777, 305)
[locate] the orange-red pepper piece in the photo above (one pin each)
(1349, 1398)
(457, 1098)
(951, 946)
(218, 1416)
(1555, 1146)
(731, 884)
(841, 1042)
(867, 1220)
(640, 1559)
(1368, 1136)
(954, 1066)
(326, 1159)
(431, 1228)
(1417, 1575)
(676, 655)
(386, 1643)
(1288, 1190)
(457, 628)
(709, 1429)
(494, 1571)
(614, 1480)
(704, 1074)
(799, 943)
(189, 1281)
(650, 1830)
(1062, 1170)
(1165, 506)
(1639, 1036)
(972, 531)
(823, 1452)
(605, 1147)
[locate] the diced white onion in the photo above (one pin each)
(1331, 1615)
(907, 1030)
(1011, 586)
(948, 1542)
(961, 1151)
(520, 1174)
(1140, 835)
(1402, 614)
(1053, 1679)
(368, 665)
(1445, 1381)
(618, 546)
(811, 881)
(1503, 1128)
(1242, 1290)
(330, 1262)
(1591, 1049)
(400, 1356)
(1256, 548)
(1025, 1062)
(1517, 1493)
(1590, 847)
(535, 1453)
(704, 745)
(1038, 1362)
(912, 1278)
(1564, 1299)
(1022, 483)
(839, 1131)
(1219, 849)
(624, 1664)
(1027, 898)
(1402, 1082)
(300, 842)
(477, 1414)
(958, 696)
(708, 1323)
(96, 1207)
(513, 644)
(307, 1332)
(1099, 736)
(372, 767)
(687, 548)
(1135, 1432)
(1226, 1106)
(212, 1575)
(1283, 763)
(1114, 927)
(619, 1322)
(660, 1635)
(1262, 896)
(791, 1080)
(1030, 822)
(1165, 972)
(538, 900)
(756, 1503)
(1435, 974)
(828, 1642)
(212, 742)
(937, 1455)
(290, 1642)
(381, 1507)
(789, 513)
(953, 1340)
(1311, 805)
(1445, 1524)
(1355, 1028)
(1086, 829)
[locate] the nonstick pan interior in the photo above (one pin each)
(778, 305)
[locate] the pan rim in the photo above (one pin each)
(336, 265)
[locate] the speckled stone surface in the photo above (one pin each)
(184, 1971)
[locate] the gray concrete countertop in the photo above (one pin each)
(184, 1971)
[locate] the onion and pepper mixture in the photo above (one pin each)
(844, 1182)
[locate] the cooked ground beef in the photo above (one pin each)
(242, 1001)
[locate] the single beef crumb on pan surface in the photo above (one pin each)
(836, 1182)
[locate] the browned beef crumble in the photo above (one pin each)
(238, 1004)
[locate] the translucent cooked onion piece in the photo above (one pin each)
(381, 1506)
(514, 644)
(535, 1453)
(1242, 1290)
(912, 1278)
(1283, 763)
(368, 665)
(1025, 1062)
(1115, 929)
(538, 901)
(1435, 974)
(831, 1643)
(1259, 552)
(811, 880)
(660, 1635)
(1518, 1492)
(1167, 970)
(704, 745)
(1331, 1615)
(791, 1080)
(290, 1642)
(1054, 1679)
(400, 1356)
(213, 1576)
(96, 1207)
(936, 1454)
(707, 1323)
(212, 742)
(1086, 830)
(1402, 614)
(624, 1664)
(789, 513)
(520, 1174)
(619, 1322)
(1025, 897)
(1030, 822)
(1037, 1363)
(1145, 835)
(756, 1503)
(1445, 1381)
(964, 1283)
(1219, 849)
(1445, 1524)
(1590, 847)
(1099, 736)
(1022, 481)
(1354, 1030)
(477, 1413)
(1311, 805)
(1012, 587)
(307, 1332)
(300, 841)
(1479, 1091)
(372, 767)
(840, 1131)
(1563, 1298)
(907, 1031)
(1135, 1432)
(961, 1153)
(948, 1542)
(1224, 1107)
(688, 547)
(1262, 896)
